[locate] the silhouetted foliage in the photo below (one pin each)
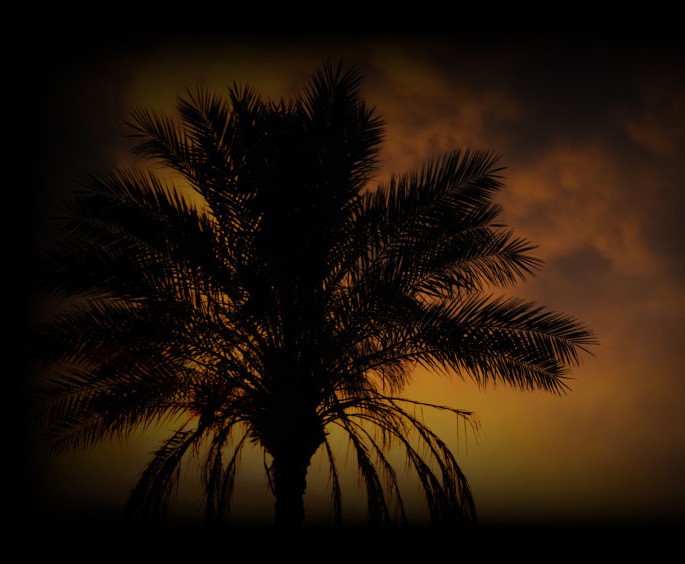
(274, 293)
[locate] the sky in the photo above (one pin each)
(592, 135)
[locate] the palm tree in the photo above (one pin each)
(264, 293)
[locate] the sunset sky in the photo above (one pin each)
(592, 135)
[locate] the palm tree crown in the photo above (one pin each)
(272, 295)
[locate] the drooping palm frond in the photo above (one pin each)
(150, 497)
(283, 298)
(336, 492)
(219, 475)
(373, 422)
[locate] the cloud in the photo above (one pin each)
(658, 123)
(573, 197)
(427, 115)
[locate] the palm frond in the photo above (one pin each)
(80, 406)
(164, 140)
(377, 504)
(343, 123)
(505, 339)
(449, 189)
(336, 492)
(218, 476)
(372, 423)
(150, 497)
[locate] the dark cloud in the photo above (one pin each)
(655, 125)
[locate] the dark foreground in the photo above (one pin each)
(109, 540)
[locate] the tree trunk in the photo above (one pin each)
(289, 477)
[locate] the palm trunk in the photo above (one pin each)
(289, 477)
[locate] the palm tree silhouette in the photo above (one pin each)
(276, 296)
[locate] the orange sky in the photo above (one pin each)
(592, 136)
